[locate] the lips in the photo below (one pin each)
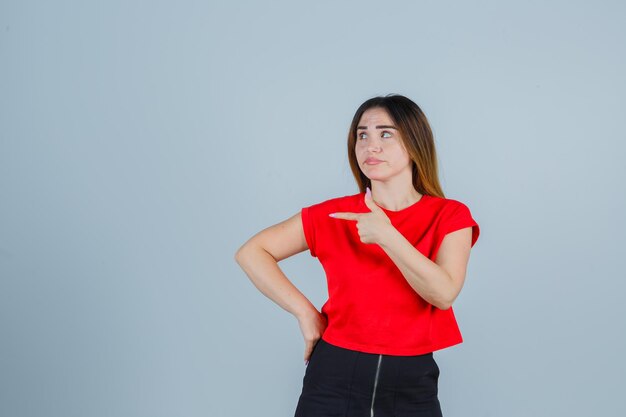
(373, 161)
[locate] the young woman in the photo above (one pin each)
(395, 256)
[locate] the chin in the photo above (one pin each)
(377, 178)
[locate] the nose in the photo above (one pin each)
(374, 144)
(374, 147)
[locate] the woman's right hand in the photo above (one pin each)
(312, 326)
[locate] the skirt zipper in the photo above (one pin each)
(380, 358)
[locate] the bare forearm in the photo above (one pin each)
(266, 275)
(427, 278)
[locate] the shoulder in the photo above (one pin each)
(445, 206)
(455, 215)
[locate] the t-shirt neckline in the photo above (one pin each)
(407, 208)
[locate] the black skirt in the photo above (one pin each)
(341, 382)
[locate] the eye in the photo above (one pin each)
(359, 135)
(389, 133)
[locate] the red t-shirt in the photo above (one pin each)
(371, 307)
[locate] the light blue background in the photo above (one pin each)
(142, 142)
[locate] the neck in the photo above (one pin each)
(392, 199)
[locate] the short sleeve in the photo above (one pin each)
(309, 228)
(461, 218)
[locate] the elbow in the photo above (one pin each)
(447, 297)
(240, 254)
(246, 252)
(444, 306)
(443, 303)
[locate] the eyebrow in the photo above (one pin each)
(378, 127)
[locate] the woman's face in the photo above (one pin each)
(379, 148)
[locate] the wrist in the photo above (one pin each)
(388, 236)
(305, 311)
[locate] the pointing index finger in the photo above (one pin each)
(345, 215)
